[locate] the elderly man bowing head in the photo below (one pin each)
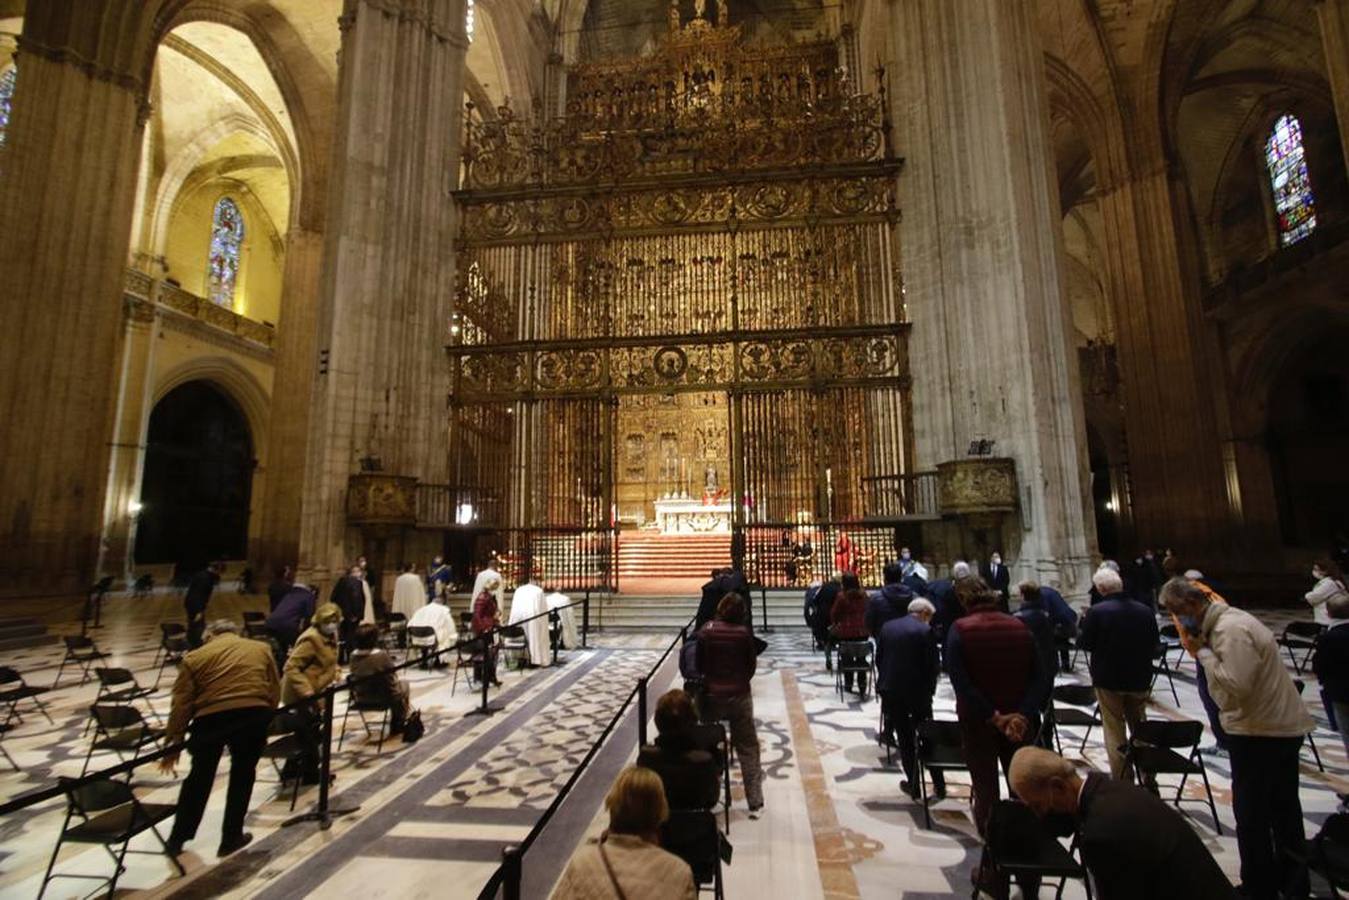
(1134, 844)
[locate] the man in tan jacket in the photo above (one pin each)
(227, 689)
(1266, 722)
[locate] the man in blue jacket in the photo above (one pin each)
(906, 678)
(1121, 635)
(1063, 616)
(890, 602)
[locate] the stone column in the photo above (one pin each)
(388, 263)
(1171, 410)
(1334, 18)
(126, 467)
(292, 392)
(990, 356)
(67, 179)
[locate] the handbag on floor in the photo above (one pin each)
(413, 729)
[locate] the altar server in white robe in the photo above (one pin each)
(489, 574)
(368, 618)
(437, 616)
(409, 595)
(566, 616)
(528, 602)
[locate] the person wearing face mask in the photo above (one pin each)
(1133, 843)
(998, 578)
(310, 669)
(1266, 723)
(1329, 588)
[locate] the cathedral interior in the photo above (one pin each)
(601, 294)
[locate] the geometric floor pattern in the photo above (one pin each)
(430, 819)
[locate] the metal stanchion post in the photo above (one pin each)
(511, 872)
(641, 712)
(763, 605)
(554, 629)
(321, 813)
(585, 620)
(485, 709)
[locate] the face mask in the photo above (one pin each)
(904, 556)
(997, 560)
(1190, 624)
(328, 629)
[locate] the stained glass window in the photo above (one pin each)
(1292, 186)
(222, 265)
(6, 93)
(468, 19)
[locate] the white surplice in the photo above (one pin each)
(528, 601)
(409, 594)
(570, 637)
(437, 616)
(369, 617)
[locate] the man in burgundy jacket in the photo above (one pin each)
(727, 657)
(999, 682)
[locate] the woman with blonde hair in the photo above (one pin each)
(626, 861)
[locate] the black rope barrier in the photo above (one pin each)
(508, 876)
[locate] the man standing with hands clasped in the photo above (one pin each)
(227, 689)
(999, 683)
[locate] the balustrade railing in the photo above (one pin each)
(168, 296)
(908, 496)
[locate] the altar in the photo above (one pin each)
(689, 515)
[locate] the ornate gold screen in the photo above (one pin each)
(714, 220)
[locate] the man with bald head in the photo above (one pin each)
(1133, 843)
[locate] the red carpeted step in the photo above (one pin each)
(663, 556)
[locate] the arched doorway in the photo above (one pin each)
(1103, 496)
(198, 479)
(1308, 442)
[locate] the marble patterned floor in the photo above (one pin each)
(431, 818)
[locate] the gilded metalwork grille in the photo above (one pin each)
(713, 219)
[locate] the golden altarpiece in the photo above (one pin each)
(684, 289)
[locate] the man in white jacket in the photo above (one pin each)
(1266, 722)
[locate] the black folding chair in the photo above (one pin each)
(1170, 635)
(853, 657)
(467, 660)
(1311, 737)
(255, 624)
(513, 643)
(367, 699)
(4, 729)
(692, 835)
(81, 651)
(1082, 711)
(14, 690)
(175, 647)
(120, 729)
(395, 632)
(1300, 635)
(1018, 847)
(1151, 751)
(423, 638)
(723, 748)
(1328, 853)
(940, 749)
(168, 631)
(119, 686)
(110, 815)
(285, 751)
(1160, 667)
